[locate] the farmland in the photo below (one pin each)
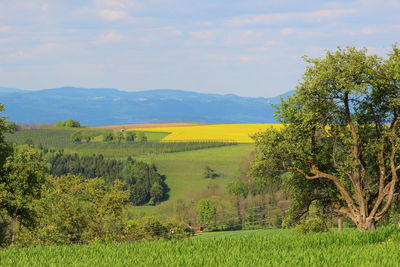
(61, 139)
(181, 163)
(240, 133)
(244, 248)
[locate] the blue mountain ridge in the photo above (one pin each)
(109, 106)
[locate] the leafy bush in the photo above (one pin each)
(312, 225)
(150, 228)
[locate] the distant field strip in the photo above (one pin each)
(240, 133)
(150, 125)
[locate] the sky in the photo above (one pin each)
(249, 48)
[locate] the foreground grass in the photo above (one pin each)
(244, 248)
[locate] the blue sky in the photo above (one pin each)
(249, 48)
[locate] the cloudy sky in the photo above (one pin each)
(249, 48)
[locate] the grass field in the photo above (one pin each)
(61, 139)
(241, 248)
(184, 169)
(240, 133)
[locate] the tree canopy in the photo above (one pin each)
(339, 147)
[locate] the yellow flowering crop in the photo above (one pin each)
(240, 133)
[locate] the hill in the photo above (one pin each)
(108, 106)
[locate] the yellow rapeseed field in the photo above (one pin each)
(240, 133)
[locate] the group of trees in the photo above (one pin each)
(127, 136)
(68, 123)
(50, 199)
(143, 182)
(108, 136)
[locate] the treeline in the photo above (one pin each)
(142, 180)
(109, 136)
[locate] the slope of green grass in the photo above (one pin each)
(184, 170)
(243, 248)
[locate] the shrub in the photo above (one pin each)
(312, 225)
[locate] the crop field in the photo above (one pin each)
(61, 139)
(240, 133)
(242, 248)
(149, 125)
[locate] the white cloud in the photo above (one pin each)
(247, 59)
(287, 31)
(110, 37)
(204, 35)
(112, 3)
(314, 16)
(5, 29)
(111, 15)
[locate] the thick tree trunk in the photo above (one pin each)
(366, 225)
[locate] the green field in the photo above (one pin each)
(61, 139)
(184, 171)
(242, 248)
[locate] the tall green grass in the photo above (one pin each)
(244, 248)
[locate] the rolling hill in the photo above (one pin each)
(107, 106)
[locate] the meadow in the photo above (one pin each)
(61, 139)
(241, 248)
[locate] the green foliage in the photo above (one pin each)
(150, 228)
(209, 173)
(108, 137)
(12, 126)
(119, 136)
(73, 209)
(156, 193)
(141, 137)
(21, 183)
(238, 189)
(142, 180)
(206, 212)
(68, 123)
(312, 225)
(130, 136)
(339, 125)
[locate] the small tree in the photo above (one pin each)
(130, 136)
(239, 190)
(120, 137)
(209, 173)
(77, 137)
(206, 212)
(142, 138)
(108, 137)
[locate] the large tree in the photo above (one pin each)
(339, 147)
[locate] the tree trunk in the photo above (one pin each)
(340, 224)
(366, 225)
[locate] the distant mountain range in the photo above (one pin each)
(107, 106)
